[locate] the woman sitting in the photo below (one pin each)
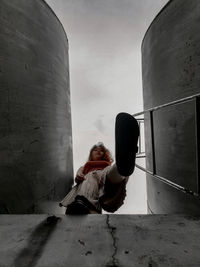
(100, 185)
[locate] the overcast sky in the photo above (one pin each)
(105, 39)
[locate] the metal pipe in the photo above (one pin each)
(166, 181)
(185, 99)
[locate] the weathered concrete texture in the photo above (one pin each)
(35, 116)
(163, 198)
(170, 54)
(171, 70)
(99, 240)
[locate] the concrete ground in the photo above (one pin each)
(99, 240)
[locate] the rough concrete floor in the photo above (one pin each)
(99, 240)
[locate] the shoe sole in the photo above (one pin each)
(126, 139)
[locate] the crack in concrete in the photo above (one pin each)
(114, 262)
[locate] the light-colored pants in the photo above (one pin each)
(93, 187)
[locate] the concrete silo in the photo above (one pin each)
(171, 90)
(36, 167)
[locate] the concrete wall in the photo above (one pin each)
(171, 70)
(35, 115)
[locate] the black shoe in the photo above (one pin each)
(77, 207)
(126, 138)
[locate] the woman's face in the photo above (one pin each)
(97, 153)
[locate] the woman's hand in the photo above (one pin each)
(79, 178)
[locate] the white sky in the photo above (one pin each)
(105, 39)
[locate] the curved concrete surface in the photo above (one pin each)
(35, 113)
(171, 70)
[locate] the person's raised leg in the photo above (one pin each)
(113, 176)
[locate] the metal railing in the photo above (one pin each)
(141, 154)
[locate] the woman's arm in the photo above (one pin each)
(79, 176)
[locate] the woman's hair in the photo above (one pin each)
(107, 155)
